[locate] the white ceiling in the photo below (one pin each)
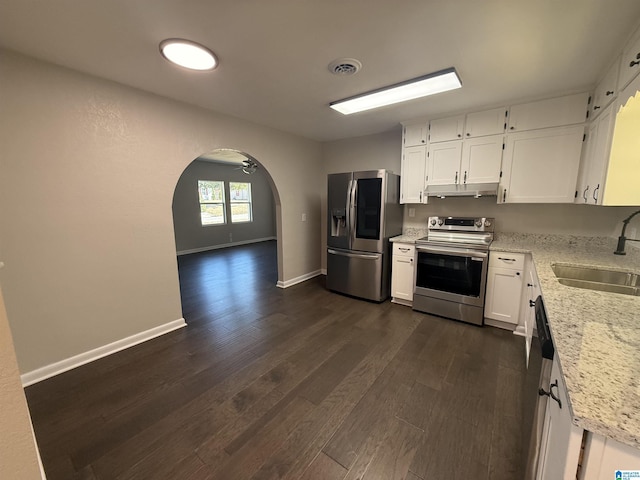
(274, 53)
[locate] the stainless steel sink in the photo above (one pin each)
(597, 279)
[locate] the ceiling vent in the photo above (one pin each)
(345, 66)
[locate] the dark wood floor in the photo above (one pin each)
(301, 383)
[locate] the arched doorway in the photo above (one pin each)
(226, 227)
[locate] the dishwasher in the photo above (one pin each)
(536, 388)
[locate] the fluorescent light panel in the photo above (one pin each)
(437, 82)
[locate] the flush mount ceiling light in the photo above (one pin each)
(188, 54)
(437, 82)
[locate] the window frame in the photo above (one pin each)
(221, 203)
(248, 202)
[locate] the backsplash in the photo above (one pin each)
(566, 219)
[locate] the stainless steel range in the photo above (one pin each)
(451, 273)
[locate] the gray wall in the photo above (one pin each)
(189, 232)
(88, 169)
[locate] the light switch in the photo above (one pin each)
(304, 217)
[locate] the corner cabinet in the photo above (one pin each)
(541, 166)
(402, 273)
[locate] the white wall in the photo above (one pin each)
(189, 232)
(88, 170)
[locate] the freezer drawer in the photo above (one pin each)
(360, 274)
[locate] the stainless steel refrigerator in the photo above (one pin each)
(364, 212)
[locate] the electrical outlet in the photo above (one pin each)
(304, 217)
(633, 233)
(412, 212)
(230, 237)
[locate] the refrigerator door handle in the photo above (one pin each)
(348, 210)
(354, 212)
(371, 256)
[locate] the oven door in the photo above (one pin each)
(456, 274)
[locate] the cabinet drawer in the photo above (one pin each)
(506, 260)
(404, 249)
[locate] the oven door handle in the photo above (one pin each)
(454, 251)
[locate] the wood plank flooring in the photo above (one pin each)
(300, 383)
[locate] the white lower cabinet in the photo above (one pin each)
(504, 288)
(561, 439)
(402, 273)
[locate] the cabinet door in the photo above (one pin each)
(553, 112)
(584, 187)
(630, 62)
(599, 160)
(606, 90)
(541, 166)
(415, 134)
(412, 174)
(561, 439)
(446, 129)
(504, 290)
(402, 278)
(489, 122)
(443, 160)
(481, 159)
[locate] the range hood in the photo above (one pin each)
(464, 190)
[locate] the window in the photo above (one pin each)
(240, 199)
(211, 195)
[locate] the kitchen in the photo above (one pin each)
(151, 252)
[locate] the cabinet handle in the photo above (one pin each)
(595, 193)
(403, 249)
(504, 259)
(634, 63)
(609, 92)
(504, 195)
(584, 194)
(465, 176)
(459, 135)
(596, 107)
(529, 284)
(468, 134)
(512, 128)
(532, 303)
(420, 197)
(550, 393)
(456, 180)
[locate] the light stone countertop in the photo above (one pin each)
(410, 235)
(596, 334)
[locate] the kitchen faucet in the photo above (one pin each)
(622, 239)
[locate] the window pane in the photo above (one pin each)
(240, 212)
(211, 213)
(240, 192)
(210, 191)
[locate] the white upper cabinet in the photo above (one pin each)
(446, 129)
(415, 134)
(412, 175)
(541, 166)
(591, 182)
(481, 159)
(488, 122)
(606, 91)
(630, 63)
(443, 163)
(553, 112)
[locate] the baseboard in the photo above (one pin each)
(62, 366)
(323, 271)
(224, 245)
(300, 279)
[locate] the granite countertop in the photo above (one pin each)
(596, 334)
(410, 235)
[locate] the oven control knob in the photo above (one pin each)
(433, 222)
(478, 223)
(440, 222)
(487, 223)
